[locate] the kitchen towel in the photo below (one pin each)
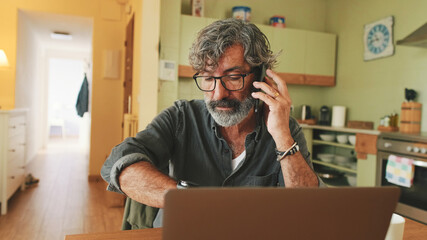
(338, 116)
(400, 171)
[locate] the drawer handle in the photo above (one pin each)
(13, 177)
(13, 127)
(12, 150)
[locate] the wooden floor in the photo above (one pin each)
(64, 202)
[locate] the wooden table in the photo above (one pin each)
(413, 231)
(145, 234)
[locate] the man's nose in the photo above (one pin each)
(220, 91)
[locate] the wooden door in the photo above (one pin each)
(127, 84)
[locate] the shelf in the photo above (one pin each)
(341, 129)
(333, 144)
(332, 165)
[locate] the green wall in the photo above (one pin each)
(375, 88)
(369, 90)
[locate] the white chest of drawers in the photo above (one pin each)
(12, 153)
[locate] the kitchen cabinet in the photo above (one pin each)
(190, 26)
(362, 169)
(292, 43)
(308, 57)
(12, 154)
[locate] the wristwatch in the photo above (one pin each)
(291, 151)
(185, 184)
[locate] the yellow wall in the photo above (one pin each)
(147, 52)
(145, 58)
(106, 93)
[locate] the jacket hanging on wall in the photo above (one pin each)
(82, 104)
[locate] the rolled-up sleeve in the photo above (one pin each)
(110, 173)
(154, 144)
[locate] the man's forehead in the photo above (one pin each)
(231, 68)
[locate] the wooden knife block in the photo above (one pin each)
(410, 117)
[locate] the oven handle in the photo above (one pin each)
(420, 164)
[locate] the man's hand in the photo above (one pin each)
(277, 109)
(296, 171)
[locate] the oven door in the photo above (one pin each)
(413, 200)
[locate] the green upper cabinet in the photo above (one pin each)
(292, 43)
(190, 26)
(307, 57)
(320, 54)
(267, 30)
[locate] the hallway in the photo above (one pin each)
(63, 202)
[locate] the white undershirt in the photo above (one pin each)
(235, 162)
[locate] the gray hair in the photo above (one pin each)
(213, 40)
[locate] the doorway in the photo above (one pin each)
(65, 81)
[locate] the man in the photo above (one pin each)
(222, 141)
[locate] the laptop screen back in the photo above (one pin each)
(279, 213)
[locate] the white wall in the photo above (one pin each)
(29, 83)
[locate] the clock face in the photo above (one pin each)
(378, 39)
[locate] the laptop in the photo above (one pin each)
(279, 213)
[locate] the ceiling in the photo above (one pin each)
(43, 24)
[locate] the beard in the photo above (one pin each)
(239, 111)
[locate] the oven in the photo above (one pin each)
(413, 200)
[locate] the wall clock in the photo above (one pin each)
(378, 39)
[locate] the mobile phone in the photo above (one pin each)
(260, 78)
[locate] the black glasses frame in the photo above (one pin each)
(222, 82)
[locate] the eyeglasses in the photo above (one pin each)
(232, 82)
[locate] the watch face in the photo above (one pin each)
(378, 38)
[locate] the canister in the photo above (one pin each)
(278, 21)
(242, 12)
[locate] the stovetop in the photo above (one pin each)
(414, 137)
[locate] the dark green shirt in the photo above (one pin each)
(186, 137)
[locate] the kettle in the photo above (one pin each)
(325, 116)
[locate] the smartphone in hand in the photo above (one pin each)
(260, 78)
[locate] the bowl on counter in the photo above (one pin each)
(326, 157)
(352, 139)
(327, 137)
(342, 138)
